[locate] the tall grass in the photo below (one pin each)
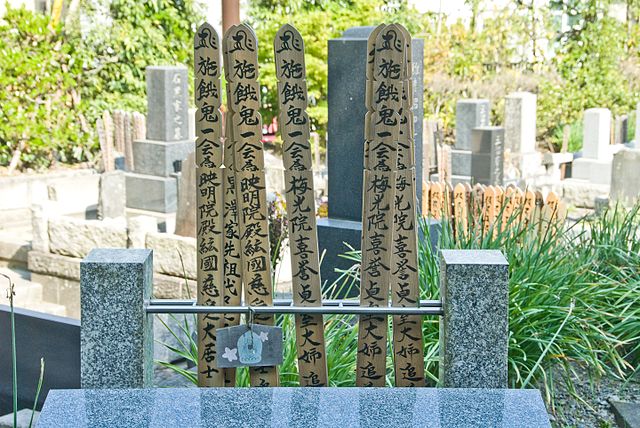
(574, 298)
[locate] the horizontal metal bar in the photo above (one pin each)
(287, 302)
(259, 310)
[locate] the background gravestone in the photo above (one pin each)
(487, 155)
(345, 145)
(597, 151)
(625, 177)
(470, 114)
(111, 195)
(152, 185)
(186, 214)
(520, 137)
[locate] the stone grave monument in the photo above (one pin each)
(487, 155)
(152, 185)
(597, 152)
(625, 176)
(470, 114)
(345, 144)
(522, 161)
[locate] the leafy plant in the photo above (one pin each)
(41, 116)
(572, 301)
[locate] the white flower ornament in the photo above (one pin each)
(230, 354)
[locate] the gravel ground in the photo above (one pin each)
(594, 410)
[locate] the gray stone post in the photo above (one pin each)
(474, 330)
(116, 335)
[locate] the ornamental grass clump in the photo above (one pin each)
(573, 294)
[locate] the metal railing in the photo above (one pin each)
(285, 306)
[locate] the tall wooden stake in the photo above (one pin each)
(405, 291)
(384, 120)
(209, 178)
(294, 127)
(242, 49)
(232, 248)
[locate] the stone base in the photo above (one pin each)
(332, 236)
(166, 222)
(522, 166)
(595, 171)
(461, 162)
(159, 157)
(147, 192)
(581, 193)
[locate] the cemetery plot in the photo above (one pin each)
(232, 226)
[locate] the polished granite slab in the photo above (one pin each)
(294, 407)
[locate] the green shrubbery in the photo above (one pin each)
(41, 116)
(57, 81)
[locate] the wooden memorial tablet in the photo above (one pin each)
(300, 196)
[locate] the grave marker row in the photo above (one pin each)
(478, 211)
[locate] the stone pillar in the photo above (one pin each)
(474, 330)
(597, 152)
(470, 114)
(152, 185)
(597, 133)
(487, 155)
(520, 137)
(112, 195)
(116, 336)
(345, 145)
(186, 214)
(625, 177)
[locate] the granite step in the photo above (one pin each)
(627, 414)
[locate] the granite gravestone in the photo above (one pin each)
(520, 136)
(345, 145)
(116, 337)
(625, 177)
(597, 152)
(470, 114)
(487, 155)
(152, 185)
(474, 289)
(186, 213)
(111, 195)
